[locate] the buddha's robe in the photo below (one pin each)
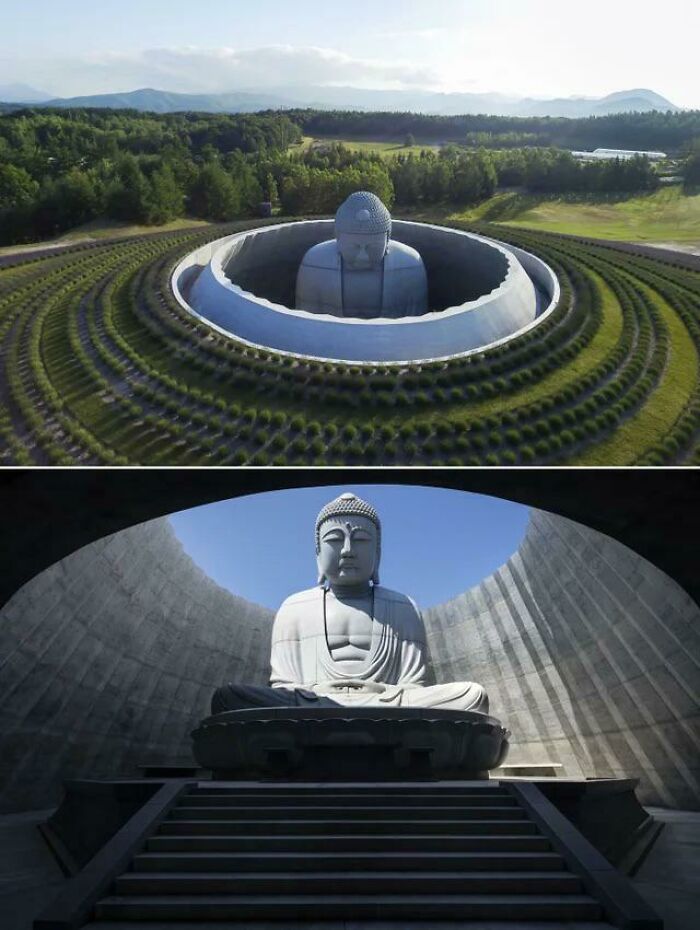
(402, 284)
(304, 673)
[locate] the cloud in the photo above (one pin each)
(424, 34)
(211, 70)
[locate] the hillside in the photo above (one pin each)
(665, 216)
(330, 98)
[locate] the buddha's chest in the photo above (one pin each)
(363, 293)
(349, 629)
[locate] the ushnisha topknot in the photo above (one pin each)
(348, 505)
(363, 213)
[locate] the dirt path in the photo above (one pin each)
(23, 253)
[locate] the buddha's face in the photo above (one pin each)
(362, 251)
(348, 553)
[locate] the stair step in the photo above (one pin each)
(246, 812)
(346, 827)
(331, 789)
(426, 798)
(359, 843)
(349, 907)
(320, 924)
(347, 862)
(365, 883)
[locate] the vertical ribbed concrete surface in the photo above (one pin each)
(109, 658)
(589, 654)
(590, 657)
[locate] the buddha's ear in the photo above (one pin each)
(321, 576)
(375, 577)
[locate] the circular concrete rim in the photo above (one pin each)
(220, 247)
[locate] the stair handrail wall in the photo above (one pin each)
(73, 906)
(623, 905)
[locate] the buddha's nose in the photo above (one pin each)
(347, 547)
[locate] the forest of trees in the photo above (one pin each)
(61, 169)
(667, 132)
(691, 170)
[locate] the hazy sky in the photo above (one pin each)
(435, 543)
(523, 47)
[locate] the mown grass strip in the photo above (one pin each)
(666, 404)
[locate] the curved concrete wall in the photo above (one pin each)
(590, 656)
(489, 294)
(461, 268)
(589, 653)
(109, 658)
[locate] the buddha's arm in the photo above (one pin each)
(412, 665)
(285, 658)
(419, 300)
(413, 649)
(307, 296)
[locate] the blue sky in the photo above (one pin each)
(523, 47)
(436, 543)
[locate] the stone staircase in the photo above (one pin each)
(413, 852)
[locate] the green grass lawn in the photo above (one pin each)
(658, 415)
(103, 230)
(387, 149)
(668, 215)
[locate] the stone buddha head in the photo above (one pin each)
(362, 231)
(348, 543)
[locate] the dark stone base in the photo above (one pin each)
(605, 810)
(350, 744)
(89, 815)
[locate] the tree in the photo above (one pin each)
(409, 141)
(408, 180)
(691, 168)
(67, 202)
(17, 187)
(18, 193)
(271, 191)
(215, 196)
(129, 195)
(166, 200)
(438, 180)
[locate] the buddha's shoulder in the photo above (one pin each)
(396, 598)
(294, 614)
(401, 256)
(303, 597)
(299, 601)
(323, 255)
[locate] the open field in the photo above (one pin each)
(665, 216)
(100, 365)
(387, 149)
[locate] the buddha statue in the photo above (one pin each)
(349, 641)
(363, 273)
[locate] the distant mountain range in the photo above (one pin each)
(22, 93)
(351, 98)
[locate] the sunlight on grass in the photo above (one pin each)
(668, 215)
(661, 411)
(601, 346)
(387, 149)
(103, 230)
